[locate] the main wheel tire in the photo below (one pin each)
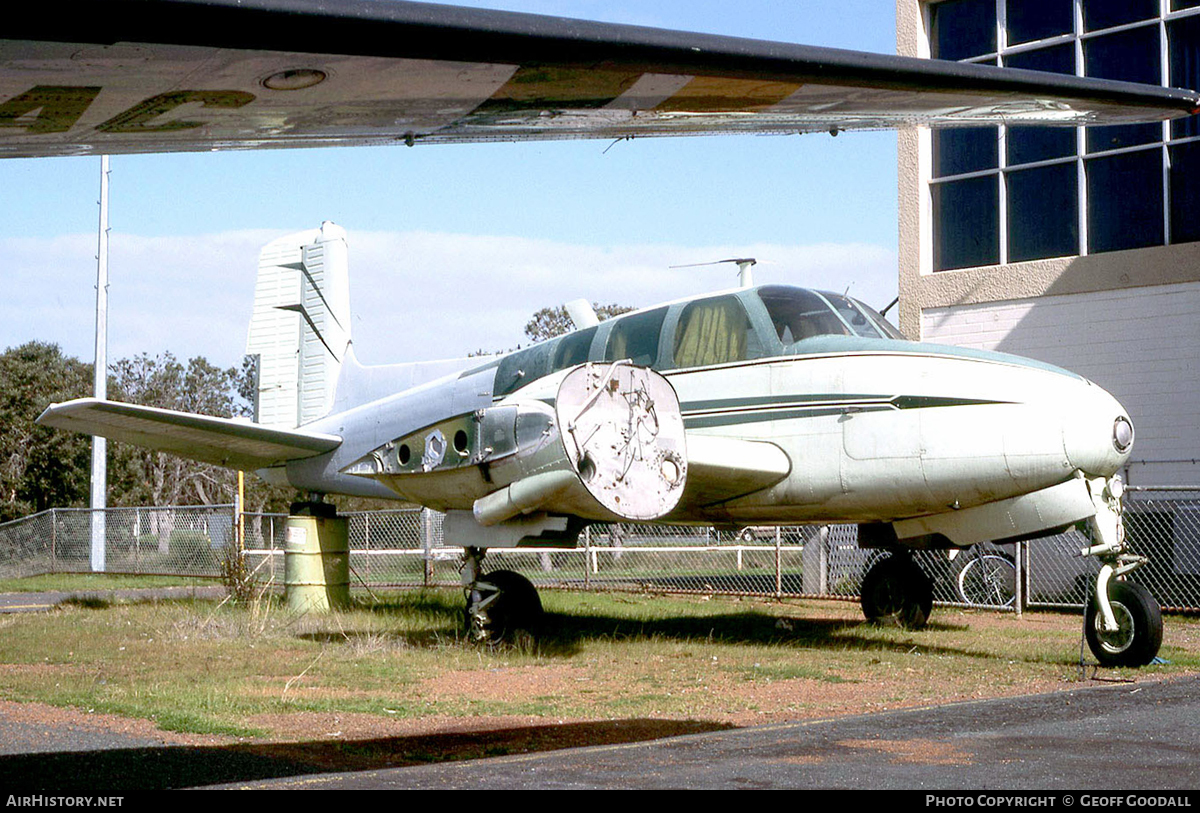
(896, 591)
(515, 613)
(1139, 619)
(988, 580)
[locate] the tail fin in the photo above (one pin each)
(300, 328)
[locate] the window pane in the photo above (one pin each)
(636, 337)
(957, 151)
(1099, 14)
(518, 369)
(1183, 39)
(963, 28)
(852, 316)
(966, 222)
(1043, 213)
(572, 349)
(1125, 201)
(1029, 144)
(797, 314)
(1178, 4)
(1131, 56)
(714, 331)
(1185, 193)
(1030, 20)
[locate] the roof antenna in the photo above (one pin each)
(744, 264)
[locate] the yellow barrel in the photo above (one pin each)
(316, 563)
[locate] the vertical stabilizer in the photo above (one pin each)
(300, 328)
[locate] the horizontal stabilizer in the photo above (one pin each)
(220, 441)
(721, 469)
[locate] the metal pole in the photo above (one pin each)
(778, 563)
(587, 557)
(99, 447)
(1022, 569)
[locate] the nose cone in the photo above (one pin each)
(1098, 434)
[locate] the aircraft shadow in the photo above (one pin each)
(565, 634)
(170, 767)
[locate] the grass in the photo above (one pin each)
(71, 582)
(253, 671)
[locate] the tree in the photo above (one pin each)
(550, 322)
(200, 387)
(40, 467)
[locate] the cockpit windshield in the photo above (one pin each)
(798, 314)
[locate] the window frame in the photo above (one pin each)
(1078, 39)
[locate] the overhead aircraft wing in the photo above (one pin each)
(220, 441)
(123, 76)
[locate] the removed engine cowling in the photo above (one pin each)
(611, 448)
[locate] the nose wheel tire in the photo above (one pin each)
(896, 591)
(503, 607)
(1138, 636)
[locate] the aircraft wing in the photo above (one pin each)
(220, 441)
(721, 469)
(124, 76)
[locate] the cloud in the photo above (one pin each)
(415, 295)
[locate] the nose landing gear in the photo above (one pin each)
(1122, 621)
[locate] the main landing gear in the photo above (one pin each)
(896, 591)
(503, 606)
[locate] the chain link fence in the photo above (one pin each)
(406, 548)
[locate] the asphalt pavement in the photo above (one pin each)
(1123, 737)
(1126, 737)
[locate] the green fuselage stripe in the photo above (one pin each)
(733, 411)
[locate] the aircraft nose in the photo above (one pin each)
(1099, 434)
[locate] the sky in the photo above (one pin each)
(454, 247)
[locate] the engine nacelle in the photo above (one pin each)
(611, 448)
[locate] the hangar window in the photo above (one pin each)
(1015, 193)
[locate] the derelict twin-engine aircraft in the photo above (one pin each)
(753, 406)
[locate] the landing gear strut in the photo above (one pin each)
(502, 606)
(1122, 622)
(896, 591)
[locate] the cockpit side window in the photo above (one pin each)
(714, 331)
(798, 314)
(636, 337)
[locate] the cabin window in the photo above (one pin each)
(520, 368)
(714, 331)
(572, 349)
(636, 338)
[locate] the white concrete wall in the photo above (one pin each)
(1140, 344)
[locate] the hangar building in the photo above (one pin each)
(1076, 246)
